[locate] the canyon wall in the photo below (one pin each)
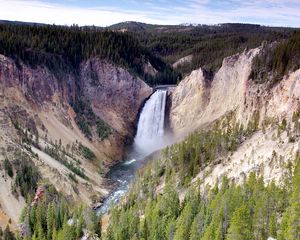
(198, 102)
(39, 103)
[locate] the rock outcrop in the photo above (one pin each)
(196, 101)
(182, 61)
(116, 96)
(38, 102)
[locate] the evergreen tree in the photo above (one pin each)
(184, 223)
(50, 220)
(240, 224)
(293, 229)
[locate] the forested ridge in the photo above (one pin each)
(208, 44)
(63, 49)
(277, 59)
(232, 212)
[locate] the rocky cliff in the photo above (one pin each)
(114, 93)
(42, 113)
(197, 102)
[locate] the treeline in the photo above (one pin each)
(276, 60)
(63, 158)
(52, 218)
(62, 49)
(209, 45)
(231, 212)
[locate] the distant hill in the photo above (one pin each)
(132, 26)
(21, 23)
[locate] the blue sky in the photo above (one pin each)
(104, 13)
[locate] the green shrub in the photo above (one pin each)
(86, 152)
(86, 119)
(27, 176)
(8, 168)
(72, 176)
(103, 129)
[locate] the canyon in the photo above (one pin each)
(40, 102)
(85, 131)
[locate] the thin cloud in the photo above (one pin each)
(267, 12)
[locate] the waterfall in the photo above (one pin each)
(150, 130)
(150, 137)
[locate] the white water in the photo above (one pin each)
(150, 130)
(150, 137)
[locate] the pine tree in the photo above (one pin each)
(8, 235)
(170, 202)
(240, 224)
(272, 226)
(198, 225)
(50, 220)
(144, 230)
(184, 223)
(260, 218)
(170, 229)
(293, 229)
(209, 233)
(79, 227)
(54, 233)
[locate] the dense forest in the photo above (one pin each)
(62, 49)
(276, 60)
(232, 212)
(208, 44)
(53, 218)
(226, 211)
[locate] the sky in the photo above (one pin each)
(105, 13)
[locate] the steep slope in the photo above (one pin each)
(198, 101)
(236, 174)
(115, 95)
(38, 117)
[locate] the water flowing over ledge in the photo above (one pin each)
(150, 131)
(149, 138)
